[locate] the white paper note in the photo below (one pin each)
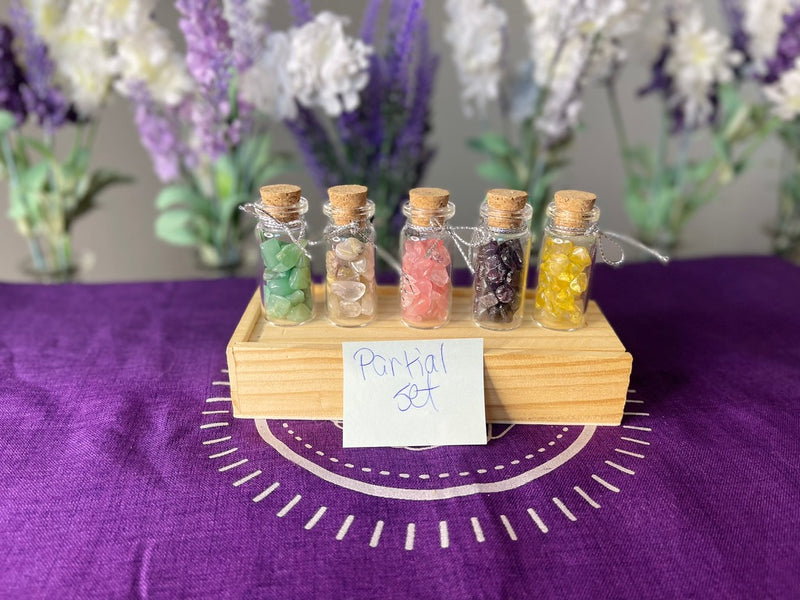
(413, 393)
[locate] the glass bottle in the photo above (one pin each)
(425, 251)
(566, 260)
(286, 291)
(500, 258)
(350, 291)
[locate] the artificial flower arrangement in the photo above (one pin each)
(207, 143)
(694, 73)
(58, 70)
(572, 45)
(768, 37)
(362, 111)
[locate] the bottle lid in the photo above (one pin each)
(347, 202)
(426, 200)
(572, 208)
(504, 208)
(281, 201)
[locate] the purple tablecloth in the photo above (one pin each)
(124, 474)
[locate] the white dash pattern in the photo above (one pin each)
(625, 470)
(266, 492)
(628, 453)
(224, 453)
(635, 441)
(538, 520)
(586, 497)
(562, 507)
(604, 483)
(315, 519)
(376, 535)
(247, 478)
(444, 535)
(289, 506)
(344, 528)
(638, 428)
(476, 527)
(410, 529)
(232, 466)
(507, 524)
(217, 440)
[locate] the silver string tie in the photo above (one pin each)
(266, 221)
(612, 237)
(458, 241)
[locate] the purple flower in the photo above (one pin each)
(41, 96)
(319, 154)
(246, 31)
(788, 48)
(209, 59)
(370, 21)
(301, 12)
(402, 42)
(382, 143)
(160, 134)
(11, 77)
(735, 16)
(661, 83)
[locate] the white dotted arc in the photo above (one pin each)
(423, 476)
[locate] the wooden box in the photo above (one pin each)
(531, 375)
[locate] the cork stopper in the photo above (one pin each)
(572, 205)
(426, 199)
(505, 208)
(281, 201)
(347, 202)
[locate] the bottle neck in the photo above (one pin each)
(285, 216)
(428, 218)
(341, 216)
(565, 222)
(506, 221)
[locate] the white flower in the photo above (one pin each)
(84, 65)
(572, 42)
(149, 58)
(247, 23)
(47, 15)
(785, 94)
(267, 85)
(699, 59)
(476, 34)
(763, 22)
(112, 19)
(561, 110)
(327, 68)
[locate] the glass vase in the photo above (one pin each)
(786, 231)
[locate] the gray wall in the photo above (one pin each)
(116, 242)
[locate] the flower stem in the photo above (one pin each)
(619, 124)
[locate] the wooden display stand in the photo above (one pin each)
(531, 375)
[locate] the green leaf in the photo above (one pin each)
(225, 177)
(175, 227)
(34, 179)
(94, 184)
(176, 195)
(7, 122)
(493, 144)
(103, 178)
(43, 149)
(499, 171)
(254, 152)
